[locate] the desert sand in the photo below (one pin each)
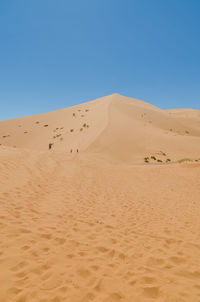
(117, 221)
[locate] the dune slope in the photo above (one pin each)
(116, 127)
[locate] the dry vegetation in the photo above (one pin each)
(153, 158)
(183, 160)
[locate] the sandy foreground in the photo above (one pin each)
(100, 225)
(78, 230)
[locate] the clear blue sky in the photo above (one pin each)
(58, 53)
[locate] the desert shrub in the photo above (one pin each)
(184, 160)
(159, 160)
(71, 130)
(168, 160)
(146, 160)
(86, 110)
(74, 114)
(84, 125)
(25, 132)
(37, 122)
(153, 157)
(62, 128)
(81, 129)
(87, 126)
(163, 153)
(187, 132)
(46, 125)
(170, 130)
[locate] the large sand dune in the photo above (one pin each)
(115, 126)
(100, 225)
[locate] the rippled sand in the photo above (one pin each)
(76, 229)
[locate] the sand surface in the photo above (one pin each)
(115, 127)
(100, 224)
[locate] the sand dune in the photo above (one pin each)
(115, 126)
(100, 225)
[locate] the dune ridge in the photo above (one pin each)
(118, 127)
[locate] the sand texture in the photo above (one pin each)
(115, 127)
(100, 225)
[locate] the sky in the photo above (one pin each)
(59, 53)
